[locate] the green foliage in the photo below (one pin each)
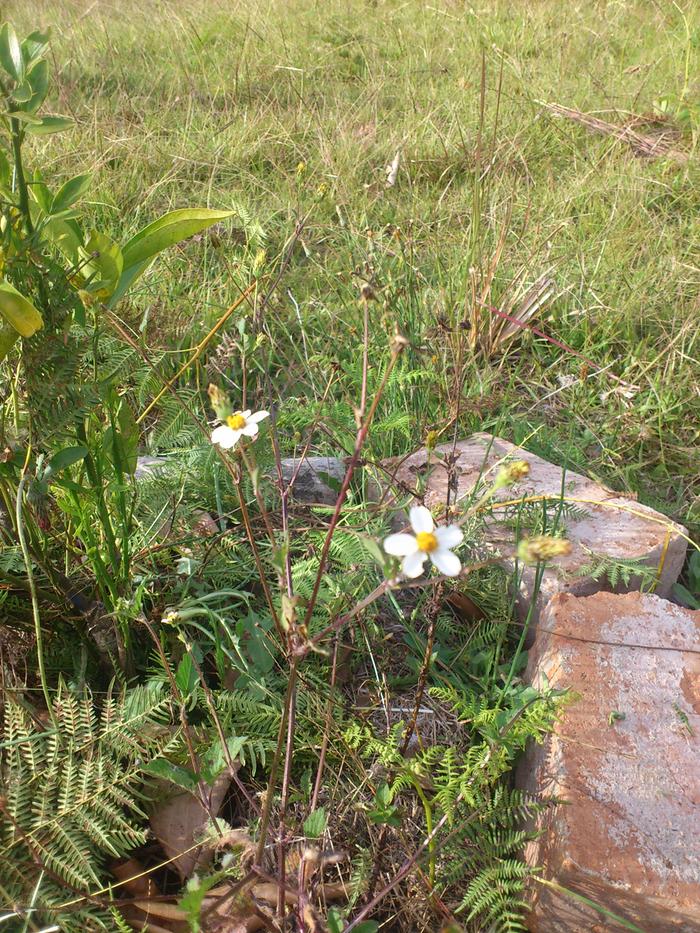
(91, 329)
(73, 795)
(617, 570)
(484, 856)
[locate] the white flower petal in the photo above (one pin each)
(225, 437)
(421, 519)
(258, 416)
(412, 565)
(250, 430)
(449, 536)
(446, 562)
(246, 413)
(400, 545)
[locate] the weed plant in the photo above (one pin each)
(401, 244)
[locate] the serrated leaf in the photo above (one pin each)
(11, 57)
(169, 229)
(186, 676)
(176, 774)
(69, 192)
(215, 759)
(18, 311)
(47, 125)
(315, 823)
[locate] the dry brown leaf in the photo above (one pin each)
(392, 171)
(648, 146)
(179, 822)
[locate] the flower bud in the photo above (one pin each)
(542, 548)
(511, 473)
(219, 402)
(431, 439)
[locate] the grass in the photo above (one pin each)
(293, 111)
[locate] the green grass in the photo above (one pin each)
(219, 103)
(290, 112)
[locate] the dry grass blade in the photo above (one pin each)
(538, 296)
(642, 145)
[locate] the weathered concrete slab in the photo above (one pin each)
(599, 522)
(317, 480)
(625, 759)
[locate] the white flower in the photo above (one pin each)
(239, 424)
(427, 541)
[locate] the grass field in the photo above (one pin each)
(293, 110)
(437, 167)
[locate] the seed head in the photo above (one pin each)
(542, 548)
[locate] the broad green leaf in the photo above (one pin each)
(103, 264)
(8, 338)
(67, 457)
(335, 921)
(121, 439)
(19, 311)
(11, 57)
(694, 572)
(23, 117)
(66, 236)
(5, 170)
(315, 823)
(69, 192)
(128, 277)
(38, 79)
(35, 45)
(168, 230)
(162, 768)
(40, 192)
(22, 93)
(47, 125)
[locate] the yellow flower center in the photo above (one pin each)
(426, 541)
(236, 422)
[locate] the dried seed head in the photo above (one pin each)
(367, 292)
(542, 548)
(219, 402)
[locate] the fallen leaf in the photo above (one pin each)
(392, 171)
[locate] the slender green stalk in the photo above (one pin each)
(22, 189)
(32, 590)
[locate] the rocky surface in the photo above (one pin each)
(625, 759)
(601, 524)
(317, 479)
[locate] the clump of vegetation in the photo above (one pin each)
(335, 732)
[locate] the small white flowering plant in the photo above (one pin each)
(427, 542)
(237, 425)
(234, 424)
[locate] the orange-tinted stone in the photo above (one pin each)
(625, 759)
